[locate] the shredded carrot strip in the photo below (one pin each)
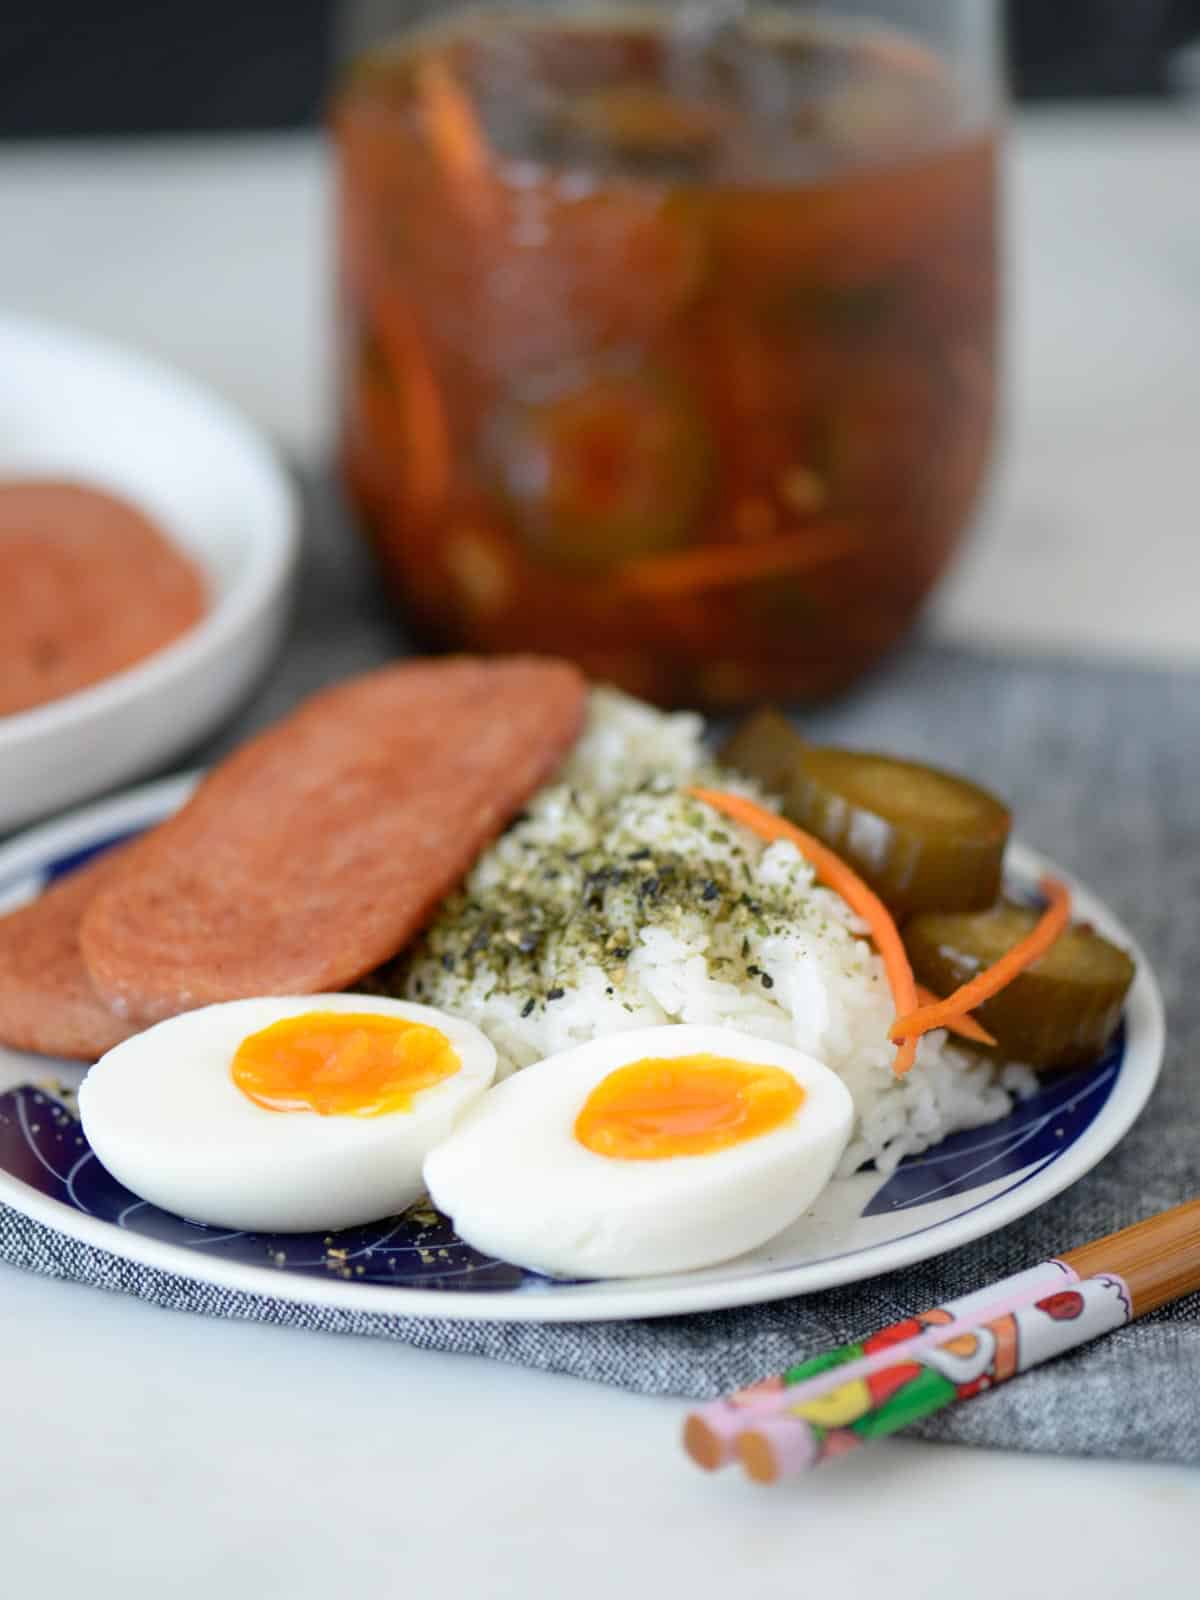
(428, 459)
(713, 566)
(420, 432)
(966, 1026)
(453, 126)
(992, 979)
(833, 872)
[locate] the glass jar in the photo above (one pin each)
(668, 333)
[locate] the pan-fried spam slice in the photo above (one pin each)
(321, 847)
(47, 1002)
(88, 586)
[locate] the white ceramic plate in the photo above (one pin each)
(74, 406)
(970, 1185)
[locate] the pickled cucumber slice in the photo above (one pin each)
(614, 466)
(766, 747)
(1059, 1013)
(644, 121)
(924, 840)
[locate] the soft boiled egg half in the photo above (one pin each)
(284, 1115)
(658, 1150)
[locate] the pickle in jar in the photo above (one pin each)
(602, 466)
(924, 839)
(1058, 1013)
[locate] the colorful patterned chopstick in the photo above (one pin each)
(833, 1402)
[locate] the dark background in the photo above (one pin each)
(74, 68)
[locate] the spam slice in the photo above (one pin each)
(320, 848)
(47, 1003)
(88, 587)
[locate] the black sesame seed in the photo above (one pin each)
(555, 994)
(621, 952)
(710, 891)
(753, 972)
(527, 1008)
(767, 981)
(640, 855)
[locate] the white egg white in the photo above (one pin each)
(163, 1114)
(519, 1185)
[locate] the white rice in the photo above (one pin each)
(617, 901)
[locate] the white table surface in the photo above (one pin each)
(143, 1452)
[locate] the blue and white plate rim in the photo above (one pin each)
(24, 862)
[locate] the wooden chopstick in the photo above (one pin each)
(1159, 1258)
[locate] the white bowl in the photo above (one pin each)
(75, 406)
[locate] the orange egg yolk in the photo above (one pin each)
(342, 1063)
(684, 1106)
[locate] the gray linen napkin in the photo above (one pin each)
(1102, 766)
